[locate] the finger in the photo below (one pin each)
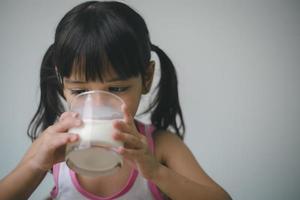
(127, 115)
(63, 139)
(129, 140)
(126, 128)
(122, 126)
(131, 154)
(65, 125)
(68, 114)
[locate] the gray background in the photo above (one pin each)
(239, 76)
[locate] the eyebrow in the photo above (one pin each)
(67, 80)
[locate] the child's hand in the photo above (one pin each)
(49, 147)
(135, 148)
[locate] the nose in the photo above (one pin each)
(103, 98)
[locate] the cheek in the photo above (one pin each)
(132, 102)
(67, 96)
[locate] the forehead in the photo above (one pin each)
(79, 74)
(109, 76)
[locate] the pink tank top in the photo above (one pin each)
(137, 187)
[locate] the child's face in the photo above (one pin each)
(129, 90)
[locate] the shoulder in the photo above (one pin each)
(168, 146)
(169, 149)
(162, 137)
(172, 152)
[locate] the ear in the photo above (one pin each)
(148, 77)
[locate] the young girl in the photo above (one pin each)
(106, 46)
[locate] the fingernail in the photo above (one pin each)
(74, 138)
(117, 149)
(78, 122)
(118, 123)
(120, 149)
(115, 122)
(115, 135)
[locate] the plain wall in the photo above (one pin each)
(239, 78)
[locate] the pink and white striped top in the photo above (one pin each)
(137, 187)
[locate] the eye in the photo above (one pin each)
(117, 89)
(77, 91)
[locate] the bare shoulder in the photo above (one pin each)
(175, 154)
(168, 147)
(165, 143)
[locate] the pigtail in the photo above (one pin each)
(167, 111)
(50, 106)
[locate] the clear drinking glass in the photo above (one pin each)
(94, 154)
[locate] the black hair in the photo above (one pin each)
(88, 39)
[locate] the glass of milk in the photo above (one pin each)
(94, 154)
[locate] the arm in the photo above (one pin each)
(181, 178)
(21, 182)
(191, 182)
(47, 150)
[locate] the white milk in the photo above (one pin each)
(96, 132)
(92, 154)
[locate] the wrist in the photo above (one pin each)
(35, 168)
